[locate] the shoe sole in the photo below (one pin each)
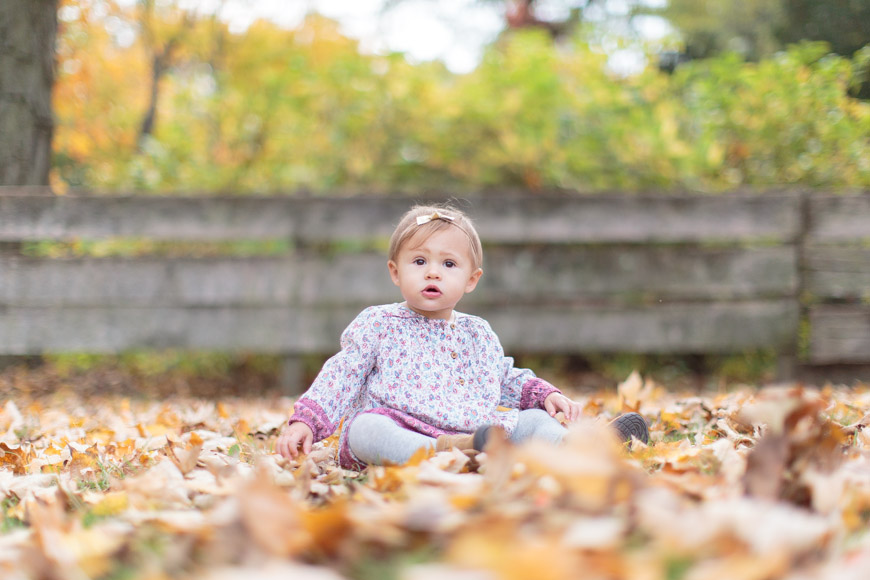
(632, 425)
(481, 435)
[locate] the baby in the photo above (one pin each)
(419, 374)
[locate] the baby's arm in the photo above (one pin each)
(341, 380)
(292, 437)
(521, 389)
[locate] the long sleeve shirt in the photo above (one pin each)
(432, 376)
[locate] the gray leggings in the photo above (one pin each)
(375, 439)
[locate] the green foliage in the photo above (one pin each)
(844, 24)
(758, 29)
(9, 522)
(152, 364)
(275, 110)
(713, 27)
(784, 120)
(133, 247)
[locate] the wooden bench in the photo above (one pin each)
(567, 274)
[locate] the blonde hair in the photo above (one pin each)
(408, 228)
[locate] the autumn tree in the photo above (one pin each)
(758, 28)
(28, 29)
(163, 30)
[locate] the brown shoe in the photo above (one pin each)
(468, 441)
(461, 441)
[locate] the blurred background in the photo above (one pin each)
(189, 96)
(416, 98)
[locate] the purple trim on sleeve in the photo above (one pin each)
(308, 412)
(535, 391)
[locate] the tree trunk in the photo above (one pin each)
(157, 70)
(28, 30)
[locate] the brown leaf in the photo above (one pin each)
(273, 519)
(184, 459)
(75, 552)
(87, 459)
(16, 457)
(633, 391)
(765, 467)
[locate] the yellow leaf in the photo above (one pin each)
(52, 450)
(154, 430)
(195, 440)
(112, 503)
(81, 460)
(327, 526)
(102, 435)
(501, 549)
(242, 428)
(670, 421)
(121, 449)
(168, 418)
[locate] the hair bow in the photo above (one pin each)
(425, 219)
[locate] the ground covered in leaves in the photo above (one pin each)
(742, 484)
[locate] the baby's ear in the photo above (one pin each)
(394, 272)
(473, 280)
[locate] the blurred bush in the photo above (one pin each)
(273, 110)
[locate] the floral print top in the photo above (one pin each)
(429, 375)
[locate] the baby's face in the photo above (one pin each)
(435, 272)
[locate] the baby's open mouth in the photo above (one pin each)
(431, 291)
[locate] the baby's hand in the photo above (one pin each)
(556, 402)
(292, 437)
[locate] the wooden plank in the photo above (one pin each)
(112, 330)
(207, 219)
(150, 282)
(636, 273)
(838, 272)
(839, 334)
(840, 218)
(689, 327)
(527, 275)
(146, 282)
(668, 328)
(508, 218)
(639, 219)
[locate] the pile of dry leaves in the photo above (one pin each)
(747, 484)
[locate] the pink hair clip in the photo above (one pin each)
(425, 219)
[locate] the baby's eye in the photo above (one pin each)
(449, 264)
(420, 262)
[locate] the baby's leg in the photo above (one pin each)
(538, 424)
(376, 439)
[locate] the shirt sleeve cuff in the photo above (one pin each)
(535, 391)
(308, 412)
